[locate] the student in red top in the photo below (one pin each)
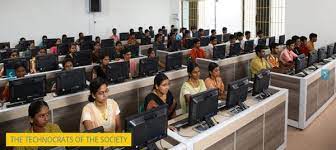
(197, 51)
(303, 47)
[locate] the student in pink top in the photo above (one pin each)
(115, 37)
(287, 56)
(53, 49)
(127, 54)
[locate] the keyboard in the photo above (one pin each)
(180, 124)
(221, 104)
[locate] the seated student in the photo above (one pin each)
(213, 32)
(158, 43)
(185, 38)
(115, 37)
(224, 30)
(127, 55)
(21, 41)
(131, 31)
(38, 113)
(230, 44)
(180, 35)
(41, 52)
(31, 46)
(100, 71)
(96, 52)
(311, 42)
(260, 35)
(214, 80)
(171, 40)
(13, 54)
(147, 37)
(192, 86)
(151, 54)
(132, 39)
(240, 39)
(197, 51)
(72, 51)
(297, 44)
(161, 95)
(272, 58)
(20, 72)
(118, 49)
(141, 33)
(201, 33)
(80, 38)
(259, 62)
(97, 39)
(67, 65)
(43, 42)
(211, 46)
(247, 35)
(303, 46)
(287, 56)
(53, 49)
(64, 37)
(101, 111)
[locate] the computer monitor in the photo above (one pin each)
(261, 82)
(235, 49)
(207, 32)
(25, 45)
(282, 39)
(124, 36)
(108, 51)
(271, 40)
(195, 35)
(312, 58)
(134, 50)
(46, 63)
(50, 43)
(86, 45)
(330, 50)
(138, 35)
(88, 38)
(27, 89)
(148, 67)
(205, 40)
(174, 61)
(248, 46)
(9, 66)
(63, 49)
(203, 106)
(68, 40)
(219, 38)
(5, 53)
(4, 45)
(148, 127)
(321, 54)
(218, 52)
(118, 72)
(190, 43)
(70, 81)
(299, 63)
(262, 42)
(145, 41)
(107, 43)
(226, 37)
(237, 92)
(83, 58)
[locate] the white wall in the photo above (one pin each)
(229, 13)
(306, 16)
(32, 19)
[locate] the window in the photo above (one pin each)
(263, 16)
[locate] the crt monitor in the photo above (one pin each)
(219, 38)
(148, 127)
(205, 40)
(262, 42)
(203, 106)
(107, 43)
(321, 53)
(27, 89)
(66, 83)
(299, 63)
(83, 58)
(50, 43)
(312, 58)
(118, 71)
(124, 36)
(68, 40)
(282, 39)
(330, 50)
(63, 49)
(235, 49)
(237, 92)
(271, 40)
(261, 82)
(4, 45)
(174, 61)
(218, 52)
(195, 35)
(248, 46)
(88, 38)
(46, 63)
(148, 66)
(9, 66)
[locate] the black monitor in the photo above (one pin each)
(134, 50)
(235, 49)
(175, 46)
(5, 53)
(203, 106)
(148, 127)
(4, 45)
(124, 36)
(299, 63)
(118, 72)
(330, 50)
(68, 40)
(63, 49)
(83, 58)
(271, 40)
(219, 38)
(226, 37)
(248, 46)
(70, 81)
(9, 66)
(145, 41)
(206, 32)
(50, 43)
(312, 58)
(237, 92)
(205, 40)
(195, 35)
(262, 42)
(174, 61)
(148, 67)
(139, 35)
(107, 43)
(88, 38)
(86, 45)
(282, 39)
(190, 43)
(25, 45)
(108, 51)
(46, 63)
(27, 89)
(321, 53)
(218, 52)
(261, 82)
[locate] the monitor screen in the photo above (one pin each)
(312, 58)
(148, 127)
(118, 71)
(237, 92)
(282, 39)
(262, 42)
(68, 40)
(66, 83)
(226, 37)
(124, 36)
(148, 66)
(248, 46)
(321, 54)
(63, 49)
(235, 49)
(46, 63)
(134, 50)
(330, 50)
(219, 38)
(146, 41)
(174, 61)
(86, 45)
(219, 52)
(261, 82)
(50, 43)
(195, 35)
(88, 38)
(299, 63)
(108, 51)
(271, 40)
(83, 58)
(9, 66)
(205, 41)
(107, 43)
(4, 45)
(27, 89)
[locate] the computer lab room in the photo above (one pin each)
(176, 74)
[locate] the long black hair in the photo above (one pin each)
(94, 86)
(35, 107)
(159, 78)
(191, 66)
(211, 67)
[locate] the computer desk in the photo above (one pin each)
(262, 126)
(308, 95)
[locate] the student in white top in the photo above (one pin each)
(240, 39)
(247, 36)
(101, 111)
(260, 35)
(210, 47)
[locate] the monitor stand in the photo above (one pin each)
(205, 125)
(242, 105)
